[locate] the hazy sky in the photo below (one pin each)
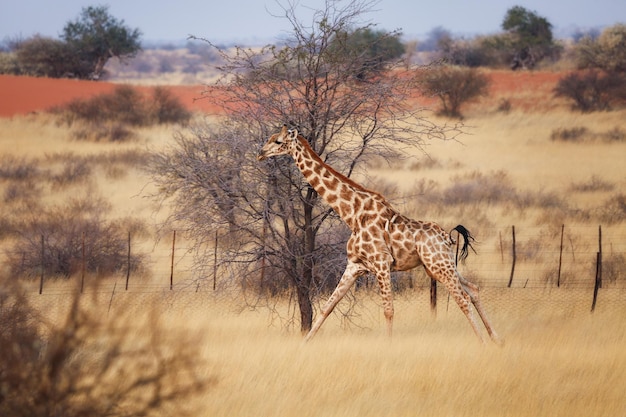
(252, 20)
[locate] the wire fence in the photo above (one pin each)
(518, 269)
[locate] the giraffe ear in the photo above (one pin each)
(293, 133)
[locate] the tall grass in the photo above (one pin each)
(558, 359)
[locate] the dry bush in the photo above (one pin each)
(166, 108)
(103, 131)
(112, 116)
(454, 86)
(613, 267)
(74, 171)
(90, 366)
(25, 191)
(594, 184)
(613, 210)
(582, 134)
(496, 188)
(479, 188)
(592, 90)
(62, 229)
(614, 135)
(572, 134)
(18, 169)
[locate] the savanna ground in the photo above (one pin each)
(558, 358)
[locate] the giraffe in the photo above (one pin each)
(382, 239)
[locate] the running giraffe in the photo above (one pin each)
(382, 239)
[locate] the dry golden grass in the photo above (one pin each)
(519, 143)
(558, 359)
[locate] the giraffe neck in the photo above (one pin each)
(344, 195)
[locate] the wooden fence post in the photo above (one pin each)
(112, 294)
(514, 258)
(43, 265)
(433, 296)
(558, 277)
(172, 262)
(215, 262)
(82, 267)
(597, 281)
(599, 256)
(128, 263)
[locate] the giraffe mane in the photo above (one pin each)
(305, 143)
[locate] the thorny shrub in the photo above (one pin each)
(52, 238)
(112, 116)
(88, 365)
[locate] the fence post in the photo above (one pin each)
(514, 258)
(558, 277)
(112, 294)
(172, 263)
(43, 265)
(597, 281)
(128, 263)
(433, 296)
(599, 274)
(82, 268)
(215, 262)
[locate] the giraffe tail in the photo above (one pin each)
(467, 241)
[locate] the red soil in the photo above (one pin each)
(524, 89)
(23, 95)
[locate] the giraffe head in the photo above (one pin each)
(278, 144)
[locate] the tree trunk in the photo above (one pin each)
(306, 280)
(306, 308)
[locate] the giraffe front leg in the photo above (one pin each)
(383, 276)
(352, 272)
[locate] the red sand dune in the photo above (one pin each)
(23, 95)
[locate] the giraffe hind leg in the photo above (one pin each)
(473, 291)
(453, 284)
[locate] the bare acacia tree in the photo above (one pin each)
(282, 236)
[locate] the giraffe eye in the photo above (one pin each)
(278, 142)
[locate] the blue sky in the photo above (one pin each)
(248, 21)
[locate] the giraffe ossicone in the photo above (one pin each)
(382, 240)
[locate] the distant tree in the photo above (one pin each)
(532, 34)
(474, 52)
(454, 86)
(373, 48)
(606, 51)
(579, 35)
(437, 39)
(96, 36)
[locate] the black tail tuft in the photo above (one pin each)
(467, 241)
